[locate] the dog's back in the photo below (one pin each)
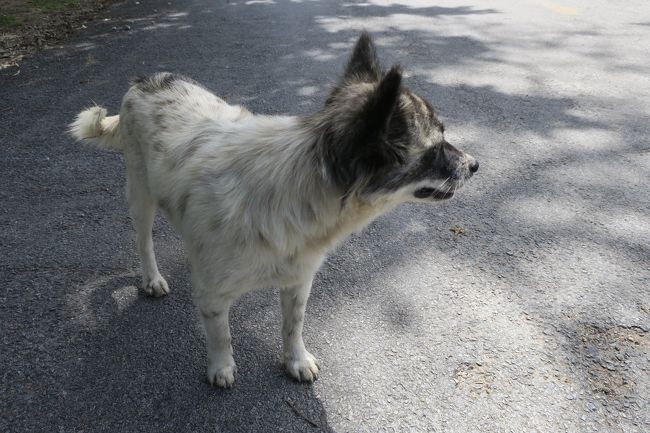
(154, 111)
(216, 170)
(166, 123)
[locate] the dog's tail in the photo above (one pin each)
(93, 127)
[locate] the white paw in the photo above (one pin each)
(222, 376)
(156, 286)
(303, 368)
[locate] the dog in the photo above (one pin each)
(260, 200)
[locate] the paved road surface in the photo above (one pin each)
(536, 319)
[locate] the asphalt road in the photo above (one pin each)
(535, 319)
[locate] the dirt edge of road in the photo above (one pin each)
(28, 26)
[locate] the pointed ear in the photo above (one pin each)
(364, 63)
(373, 120)
(381, 103)
(359, 149)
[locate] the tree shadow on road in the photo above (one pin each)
(127, 343)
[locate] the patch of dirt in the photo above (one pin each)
(474, 376)
(27, 26)
(611, 354)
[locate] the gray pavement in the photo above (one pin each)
(536, 319)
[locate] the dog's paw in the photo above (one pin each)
(303, 368)
(222, 376)
(156, 286)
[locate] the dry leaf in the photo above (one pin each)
(458, 230)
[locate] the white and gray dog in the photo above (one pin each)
(259, 200)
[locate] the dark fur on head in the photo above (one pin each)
(355, 123)
(374, 133)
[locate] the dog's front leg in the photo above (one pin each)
(300, 364)
(221, 365)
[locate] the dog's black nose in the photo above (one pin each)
(473, 167)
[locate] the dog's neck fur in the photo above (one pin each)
(314, 214)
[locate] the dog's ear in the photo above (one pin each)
(363, 63)
(377, 110)
(364, 150)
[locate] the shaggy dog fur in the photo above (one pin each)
(259, 200)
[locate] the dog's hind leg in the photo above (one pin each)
(300, 364)
(143, 209)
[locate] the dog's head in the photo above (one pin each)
(378, 137)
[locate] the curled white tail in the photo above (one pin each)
(92, 126)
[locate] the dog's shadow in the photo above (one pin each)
(126, 342)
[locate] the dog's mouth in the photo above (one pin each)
(433, 193)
